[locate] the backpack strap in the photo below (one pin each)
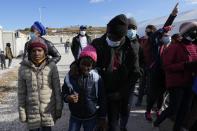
(95, 78)
(67, 81)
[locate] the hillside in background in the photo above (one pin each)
(159, 22)
(69, 30)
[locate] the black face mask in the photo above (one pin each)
(192, 34)
(149, 33)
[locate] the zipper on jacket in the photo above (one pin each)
(83, 95)
(37, 73)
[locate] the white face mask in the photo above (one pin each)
(113, 43)
(82, 33)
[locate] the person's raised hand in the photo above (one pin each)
(175, 10)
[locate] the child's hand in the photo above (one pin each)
(73, 98)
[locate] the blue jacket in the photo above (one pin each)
(91, 95)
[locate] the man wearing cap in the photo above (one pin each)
(80, 41)
(38, 30)
(118, 67)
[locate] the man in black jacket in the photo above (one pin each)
(80, 41)
(38, 30)
(134, 41)
(118, 68)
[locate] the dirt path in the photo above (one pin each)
(7, 84)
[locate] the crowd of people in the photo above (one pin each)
(99, 85)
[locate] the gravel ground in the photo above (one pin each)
(9, 114)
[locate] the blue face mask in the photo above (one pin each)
(32, 36)
(166, 40)
(131, 34)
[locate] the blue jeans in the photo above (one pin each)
(88, 125)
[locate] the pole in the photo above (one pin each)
(40, 14)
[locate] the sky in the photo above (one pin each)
(20, 14)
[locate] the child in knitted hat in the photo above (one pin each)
(84, 93)
(37, 51)
(39, 93)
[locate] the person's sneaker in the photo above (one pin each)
(155, 128)
(123, 129)
(148, 116)
(158, 113)
(184, 129)
(155, 124)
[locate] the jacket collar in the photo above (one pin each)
(30, 64)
